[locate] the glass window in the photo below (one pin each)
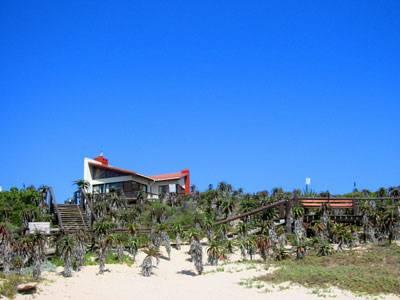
(163, 189)
(98, 188)
(99, 173)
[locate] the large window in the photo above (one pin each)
(163, 189)
(128, 188)
(99, 173)
(170, 188)
(98, 188)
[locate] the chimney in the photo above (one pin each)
(101, 159)
(186, 173)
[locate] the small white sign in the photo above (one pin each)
(42, 227)
(308, 181)
(172, 188)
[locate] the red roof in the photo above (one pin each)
(170, 176)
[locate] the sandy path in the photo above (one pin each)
(173, 279)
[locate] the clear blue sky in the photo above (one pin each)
(256, 93)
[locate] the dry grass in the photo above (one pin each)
(372, 271)
(8, 284)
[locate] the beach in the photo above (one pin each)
(175, 279)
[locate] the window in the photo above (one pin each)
(98, 173)
(114, 187)
(98, 188)
(163, 189)
(129, 188)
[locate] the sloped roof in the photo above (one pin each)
(171, 176)
(160, 177)
(118, 170)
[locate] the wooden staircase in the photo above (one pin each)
(70, 218)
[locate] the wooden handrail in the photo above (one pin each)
(349, 198)
(252, 212)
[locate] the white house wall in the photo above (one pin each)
(157, 184)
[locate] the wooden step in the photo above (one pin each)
(71, 218)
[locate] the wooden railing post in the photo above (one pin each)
(288, 214)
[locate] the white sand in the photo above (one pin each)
(175, 279)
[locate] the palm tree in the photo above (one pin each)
(324, 212)
(229, 246)
(17, 263)
(227, 206)
(208, 224)
(277, 193)
(197, 255)
(80, 249)
(281, 253)
(166, 243)
(20, 250)
(263, 245)
(159, 212)
(269, 214)
(318, 228)
(243, 229)
(132, 229)
(37, 243)
(369, 217)
(198, 220)
(394, 191)
(324, 248)
(28, 215)
(82, 184)
(241, 243)
(223, 231)
(133, 246)
(300, 249)
(297, 211)
(102, 230)
(342, 235)
(147, 264)
(214, 252)
(224, 188)
(196, 251)
(192, 234)
(118, 241)
(390, 219)
(66, 247)
(250, 245)
(177, 229)
(6, 241)
(382, 192)
(282, 239)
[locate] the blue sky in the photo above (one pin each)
(256, 93)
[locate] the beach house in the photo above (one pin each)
(102, 177)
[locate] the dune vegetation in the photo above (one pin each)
(320, 252)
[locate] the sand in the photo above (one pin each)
(175, 279)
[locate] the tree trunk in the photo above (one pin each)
(288, 217)
(36, 272)
(67, 266)
(178, 241)
(7, 257)
(102, 260)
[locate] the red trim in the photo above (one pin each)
(186, 172)
(171, 176)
